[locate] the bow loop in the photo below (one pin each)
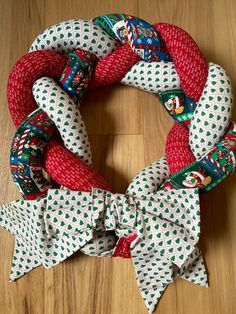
(68, 213)
(180, 207)
(167, 224)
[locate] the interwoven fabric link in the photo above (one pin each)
(24, 73)
(58, 162)
(127, 58)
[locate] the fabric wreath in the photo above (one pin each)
(157, 220)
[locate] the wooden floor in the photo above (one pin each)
(127, 130)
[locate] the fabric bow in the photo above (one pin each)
(166, 222)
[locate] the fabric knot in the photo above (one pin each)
(110, 211)
(166, 221)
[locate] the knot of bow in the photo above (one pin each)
(167, 222)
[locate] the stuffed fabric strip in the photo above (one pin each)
(69, 171)
(25, 72)
(113, 68)
(190, 63)
(62, 110)
(213, 112)
(166, 223)
(66, 36)
(153, 77)
(178, 152)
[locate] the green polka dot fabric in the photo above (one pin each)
(148, 182)
(167, 224)
(64, 37)
(213, 112)
(155, 273)
(63, 111)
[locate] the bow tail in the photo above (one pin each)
(194, 269)
(22, 218)
(23, 261)
(153, 274)
(9, 216)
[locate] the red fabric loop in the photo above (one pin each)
(114, 67)
(71, 172)
(178, 152)
(190, 63)
(24, 73)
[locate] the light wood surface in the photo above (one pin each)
(127, 128)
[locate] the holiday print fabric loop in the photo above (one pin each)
(157, 221)
(142, 37)
(78, 72)
(27, 152)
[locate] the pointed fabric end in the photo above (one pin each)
(8, 215)
(194, 269)
(23, 261)
(154, 273)
(152, 297)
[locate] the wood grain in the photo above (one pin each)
(127, 130)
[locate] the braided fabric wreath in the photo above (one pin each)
(157, 220)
